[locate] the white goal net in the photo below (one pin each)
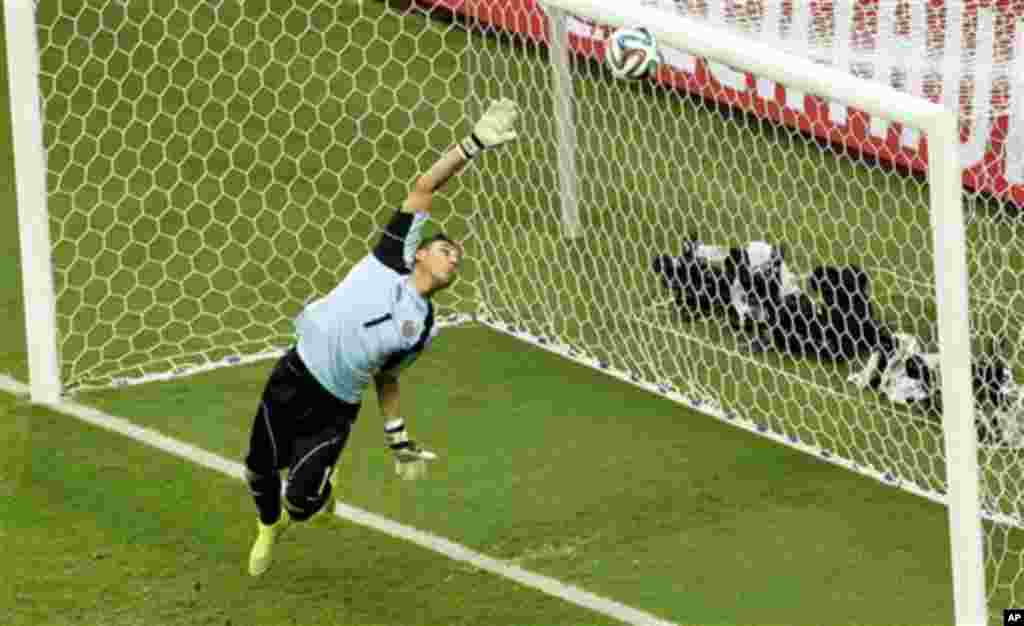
(710, 235)
(673, 174)
(212, 166)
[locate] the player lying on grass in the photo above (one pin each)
(753, 286)
(371, 326)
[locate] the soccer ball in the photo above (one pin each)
(631, 53)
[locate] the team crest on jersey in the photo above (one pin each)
(408, 329)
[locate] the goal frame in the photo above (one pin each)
(940, 125)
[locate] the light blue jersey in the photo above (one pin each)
(373, 321)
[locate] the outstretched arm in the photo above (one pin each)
(495, 127)
(422, 194)
(403, 233)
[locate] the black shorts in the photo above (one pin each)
(299, 425)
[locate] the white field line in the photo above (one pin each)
(450, 549)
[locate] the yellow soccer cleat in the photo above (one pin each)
(262, 554)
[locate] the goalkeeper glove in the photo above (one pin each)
(410, 459)
(494, 128)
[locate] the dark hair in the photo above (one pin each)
(426, 242)
(435, 238)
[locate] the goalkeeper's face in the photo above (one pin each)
(440, 260)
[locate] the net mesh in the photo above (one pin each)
(214, 165)
(663, 171)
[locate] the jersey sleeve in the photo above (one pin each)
(402, 235)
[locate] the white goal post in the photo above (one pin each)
(33, 219)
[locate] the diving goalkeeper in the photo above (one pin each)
(371, 326)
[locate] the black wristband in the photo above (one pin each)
(471, 146)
